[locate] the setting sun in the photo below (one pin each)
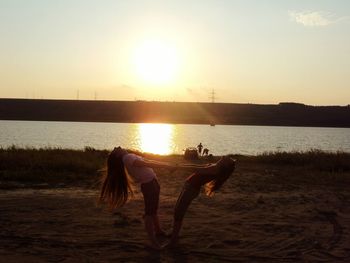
(156, 62)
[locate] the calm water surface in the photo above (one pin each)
(169, 138)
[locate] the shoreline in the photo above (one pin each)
(180, 123)
(56, 167)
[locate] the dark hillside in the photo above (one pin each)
(283, 114)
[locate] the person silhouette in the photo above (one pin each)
(125, 170)
(205, 151)
(209, 176)
(200, 147)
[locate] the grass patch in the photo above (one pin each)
(335, 162)
(55, 166)
(50, 165)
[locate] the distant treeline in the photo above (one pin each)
(283, 114)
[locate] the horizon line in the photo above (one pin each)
(169, 101)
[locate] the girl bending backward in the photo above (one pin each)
(213, 176)
(122, 169)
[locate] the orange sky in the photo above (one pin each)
(247, 51)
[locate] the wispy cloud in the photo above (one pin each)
(314, 18)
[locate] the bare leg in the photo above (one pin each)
(149, 226)
(157, 228)
(186, 196)
(176, 232)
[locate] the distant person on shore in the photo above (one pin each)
(213, 176)
(206, 151)
(200, 147)
(116, 187)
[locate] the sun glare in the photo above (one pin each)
(156, 138)
(156, 62)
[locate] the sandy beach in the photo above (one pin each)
(261, 215)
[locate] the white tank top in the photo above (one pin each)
(138, 174)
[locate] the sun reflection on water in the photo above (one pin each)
(156, 138)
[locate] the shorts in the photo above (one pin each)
(186, 196)
(150, 193)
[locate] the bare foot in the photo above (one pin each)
(172, 243)
(154, 246)
(163, 234)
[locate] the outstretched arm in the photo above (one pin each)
(153, 164)
(195, 168)
(200, 169)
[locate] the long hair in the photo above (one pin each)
(224, 173)
(115, 186)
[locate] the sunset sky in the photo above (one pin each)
(247, 51)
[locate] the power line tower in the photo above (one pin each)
(212, 96)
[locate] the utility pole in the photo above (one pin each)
(77, 94)
(212, 96)
(95, 95)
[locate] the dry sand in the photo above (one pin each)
(255, 218)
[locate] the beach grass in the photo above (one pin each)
(314, 159)
(50, 165)
(66, 167)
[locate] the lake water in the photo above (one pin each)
(172, 138)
